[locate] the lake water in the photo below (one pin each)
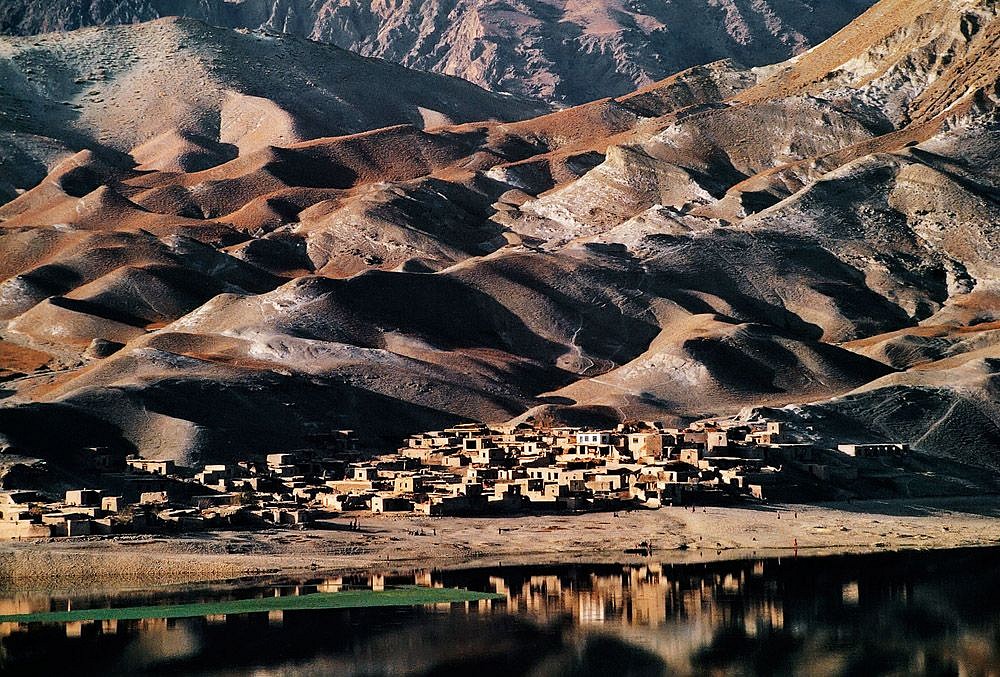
(933, 613)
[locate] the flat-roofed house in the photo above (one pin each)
(113, 504)
(18, 497)
(874, 450)
(153, 497)
(691, 456)
(83, 497)
(407, 484)
(152, 466)
(645, 445)
(383, 504)
(716, 441)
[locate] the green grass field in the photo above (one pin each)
(347, 599)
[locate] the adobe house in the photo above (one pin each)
(18, 497)
(407, 484)
(798, 452)
(771, 434)
(546, 473)
(26, 528)
(214, 500)
(716, 441)
(489, 455)
(383, 504)
(874, 450)
(604, 483)
(691, 456)
(13, 512)
(83, 497)
(151, 466)
(645, 445)
(346, 502)
(152, 497)
(594, 444)
(464, 430)
(113, 504)
(363, 473)
(104, 458)
(477, 443)
(68, 523)
(278, 460)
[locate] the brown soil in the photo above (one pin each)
(407, 542)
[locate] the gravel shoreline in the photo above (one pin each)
(407, 543)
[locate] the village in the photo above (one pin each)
(465, 470)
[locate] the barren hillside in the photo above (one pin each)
(177, 95)
(564, 50)
(819, 236)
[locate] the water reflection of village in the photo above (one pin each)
(576, 600)
(668, 611)
(839, 614)
(648, 595)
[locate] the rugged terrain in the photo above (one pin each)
(177, 95)
(569, 51)
(820, 237)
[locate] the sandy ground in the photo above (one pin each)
(405, 543)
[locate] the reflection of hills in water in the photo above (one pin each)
(905, 613)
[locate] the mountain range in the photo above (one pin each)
(568, 51)
(818, 238)
(176, 94)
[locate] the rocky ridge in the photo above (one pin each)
(565, 51)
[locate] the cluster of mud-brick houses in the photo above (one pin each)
(472, 469)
